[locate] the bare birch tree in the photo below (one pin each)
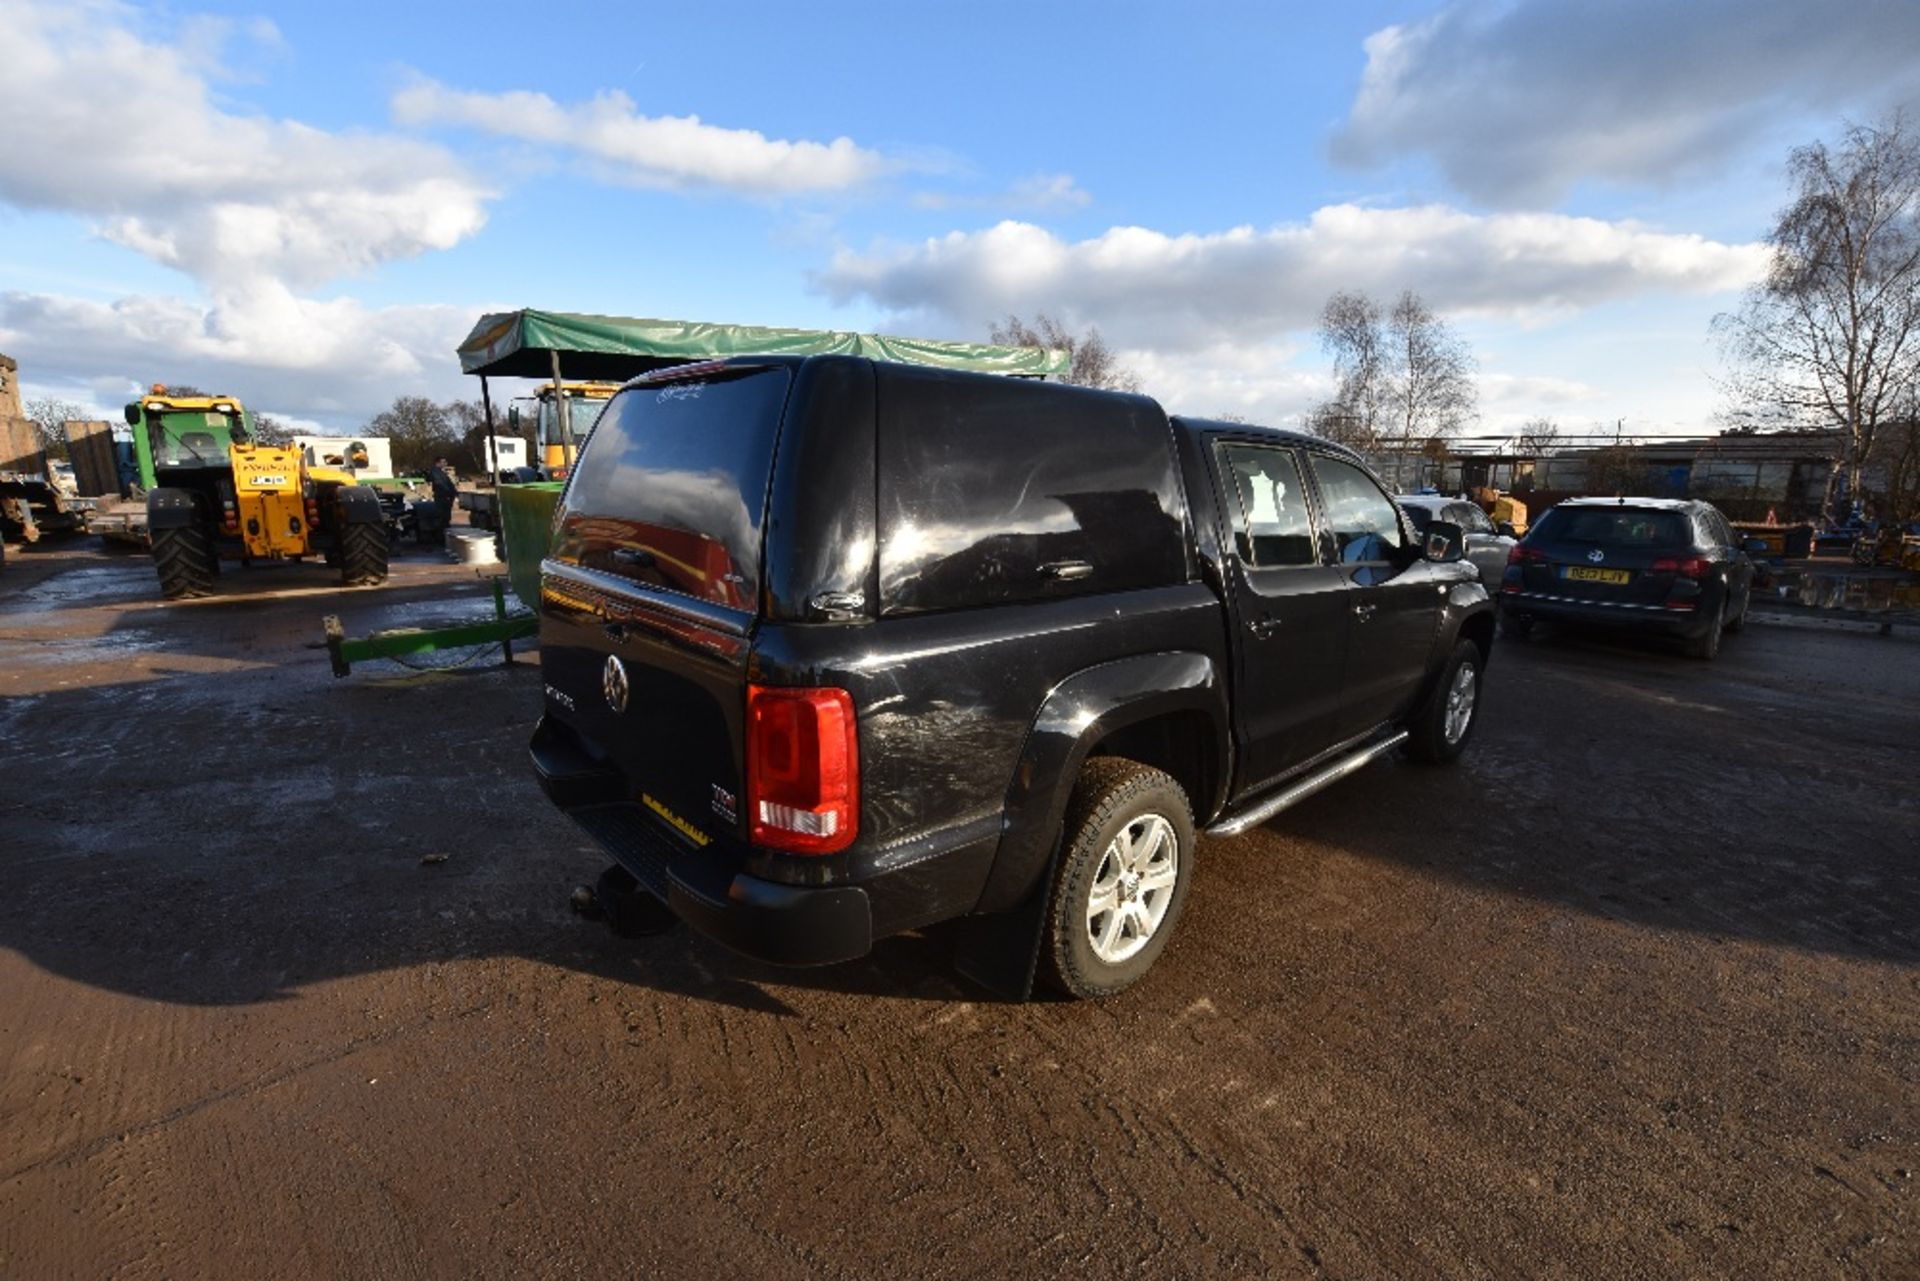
(1402, 372)
(1351, 330)
(1537, 436)
(1093, 363)
(1831, 336)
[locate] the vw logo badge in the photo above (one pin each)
(613, 683)
(1596, 555)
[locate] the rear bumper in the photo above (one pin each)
(766, 920)
(1571, 609)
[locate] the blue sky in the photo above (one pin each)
(307, 206)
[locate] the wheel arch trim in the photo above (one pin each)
(1076, 715)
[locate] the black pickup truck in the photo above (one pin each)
(835, 649)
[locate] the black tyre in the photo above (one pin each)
(1126, 858)
(185, 562)
(1706, 645)
(1515, 626)
(363, 555)
(1440, 728)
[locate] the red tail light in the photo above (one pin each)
(803, 769)
(1695, 567)
(1523, 555)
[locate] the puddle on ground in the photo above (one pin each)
(85, 649)
(86, 585)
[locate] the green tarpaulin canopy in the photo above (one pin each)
(519, 344)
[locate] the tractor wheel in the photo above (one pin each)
(363, 555)
(185, 561)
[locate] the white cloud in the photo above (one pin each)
(1517, 102)
(1172, 293)
(1256, 381)
(111, 126)
(123, 129)
(673, 152)
(1532, 394)
(330, 359)
(1040, 192)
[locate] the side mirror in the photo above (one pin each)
(1445, 542)
(513, 418)
(237, 434)
(1754, 547)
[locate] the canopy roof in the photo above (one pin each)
(517, 344)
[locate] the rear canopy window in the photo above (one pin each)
(994, 490)
(1613, 527)
(672, 489)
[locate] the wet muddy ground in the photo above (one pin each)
(1634, 991)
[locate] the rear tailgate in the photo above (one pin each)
(1605, 554)
(649, 597)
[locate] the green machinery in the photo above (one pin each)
(213, 491)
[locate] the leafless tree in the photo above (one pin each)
(1537, 436)
(418, 432)
(1351, 330)
(269, 430)
(1092, 362)
(1432, 387)
(50, 418)
(1831, 336)
(1402, 372)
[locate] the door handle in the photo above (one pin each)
(1066, 570)
(1264, 627)
(1364, 612)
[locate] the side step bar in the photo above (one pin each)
(1288, 797)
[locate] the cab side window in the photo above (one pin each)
(1365, 523)
(1270, 526)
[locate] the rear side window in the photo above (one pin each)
(672, 489)
(1273, 527)
(996, 490)
(1365, 522)
(1612, 527)
(1718, 532)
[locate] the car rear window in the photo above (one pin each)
(1613, 527)
(672, 488)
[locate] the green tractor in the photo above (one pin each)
(213, 492)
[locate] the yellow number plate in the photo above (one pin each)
(1587, 574)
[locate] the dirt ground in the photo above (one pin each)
(1634, 991)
